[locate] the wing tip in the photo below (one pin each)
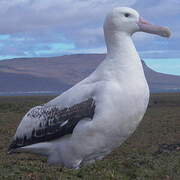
(10, 151)
(12, 147)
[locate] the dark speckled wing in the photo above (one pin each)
(55, 123)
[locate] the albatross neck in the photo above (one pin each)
(120, 47)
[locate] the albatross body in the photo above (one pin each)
(99, 113)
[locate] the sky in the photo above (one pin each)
(40, 28)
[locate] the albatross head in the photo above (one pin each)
(127, 20)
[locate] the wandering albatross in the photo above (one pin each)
(89, 120)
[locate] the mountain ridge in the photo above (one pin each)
(62, 72)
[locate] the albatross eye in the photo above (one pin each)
(126, 14)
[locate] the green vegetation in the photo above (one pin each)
(134, 160)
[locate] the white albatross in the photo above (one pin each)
(99, 113)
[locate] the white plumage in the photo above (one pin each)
(118, 94)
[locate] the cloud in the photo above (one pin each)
(31, 45)
(23, 16)
(159, 8)
(32, 22)
(28, 23)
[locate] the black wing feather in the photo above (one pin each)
(54, 118)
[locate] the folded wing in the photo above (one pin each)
(46, 123)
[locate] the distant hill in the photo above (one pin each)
(59, 73)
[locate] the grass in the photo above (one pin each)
(134, 160)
